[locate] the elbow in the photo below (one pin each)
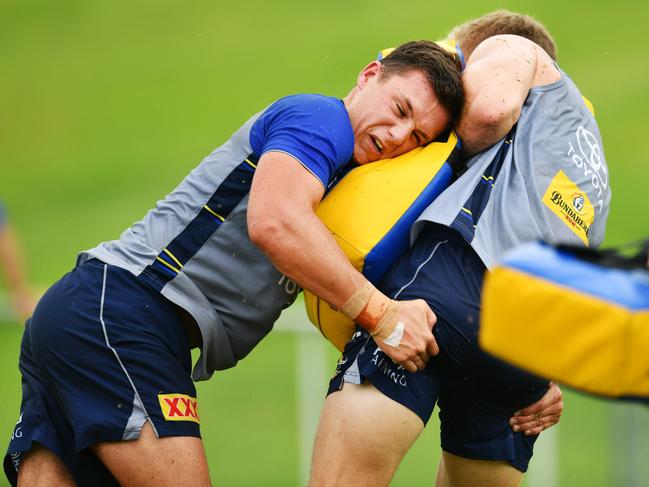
(266, 232)
(496, 116)
(261, 231)
(485, 124)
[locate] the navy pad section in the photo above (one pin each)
(397, 241)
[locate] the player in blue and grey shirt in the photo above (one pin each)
(106, 356)
(536, 172)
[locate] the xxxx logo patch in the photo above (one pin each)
(570, 204)
(179, 407)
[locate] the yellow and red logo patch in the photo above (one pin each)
(179, 407)
(570, 204)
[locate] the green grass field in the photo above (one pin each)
(107, 105)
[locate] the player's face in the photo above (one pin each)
(391, 115)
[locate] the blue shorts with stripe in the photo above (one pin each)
(103, 354)
(476, 393)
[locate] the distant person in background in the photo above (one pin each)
(12, 265)
(108, 395)
(535, 170)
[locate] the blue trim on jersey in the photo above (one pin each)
(226, 197)
(622, 287)
(314, 129)
(460, 56)
(396, 242)
(467, 218)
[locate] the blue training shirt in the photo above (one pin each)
(314, 129)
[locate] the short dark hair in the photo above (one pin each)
(470, 34)
(440, 68)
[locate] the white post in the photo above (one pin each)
(544, 467)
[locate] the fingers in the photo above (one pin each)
(412, 362)
(416, 363)
(417, 344)
(552, 396)
(554, 409)
(410, 366)
(431, 346)
(534, 426)
(430, 315)
(541, 415)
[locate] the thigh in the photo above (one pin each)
(161, 462)
(362, 437)
(478, 394)
(443, 270)
(456, 471)
(476, 427)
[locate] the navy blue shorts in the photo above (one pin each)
(102, 355)
(476, 393)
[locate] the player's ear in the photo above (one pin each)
(370, 71)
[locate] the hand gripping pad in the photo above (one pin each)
(370, 212)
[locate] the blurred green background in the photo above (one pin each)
(106, 105)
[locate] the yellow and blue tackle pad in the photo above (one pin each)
(370, 212)
(577, 316)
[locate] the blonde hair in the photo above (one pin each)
(473, 32)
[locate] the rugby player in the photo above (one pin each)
(545, 178)
(108, 395)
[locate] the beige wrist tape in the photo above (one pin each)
(388, 322)
(357, 301)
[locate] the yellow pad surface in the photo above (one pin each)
(364, 208)
(565, 335)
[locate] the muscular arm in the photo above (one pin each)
(499, 74)
(283, 224)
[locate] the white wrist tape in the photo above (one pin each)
(388, 325)
(394, 340)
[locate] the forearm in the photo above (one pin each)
(478, 134)
(301, 247)
(498, 77)
(283, 224)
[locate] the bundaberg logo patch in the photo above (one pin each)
(570, 204)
